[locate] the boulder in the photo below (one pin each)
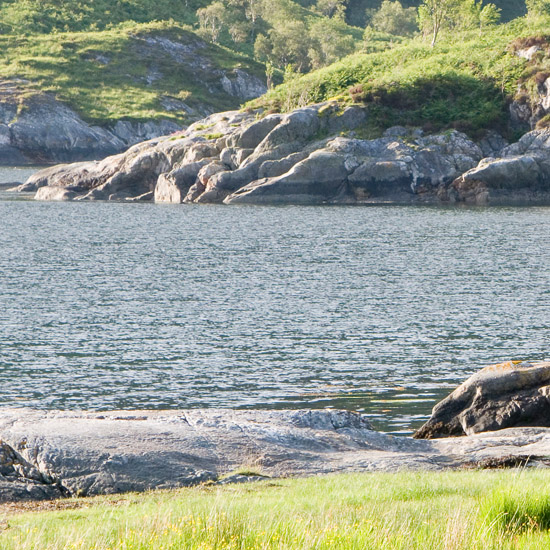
(505, 395)
(173, 186)
(520, 175)
(319, 178)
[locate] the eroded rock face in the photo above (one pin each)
(20, 480)
(521, 175)
(244, 157)
(506, 395)
(45, 130)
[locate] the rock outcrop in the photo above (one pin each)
(512, 394)
(310, 156)
(53, 454)
(38, 128)
(299, 157)
(44, 130)
(521, 175)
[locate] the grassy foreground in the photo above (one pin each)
(452, 510)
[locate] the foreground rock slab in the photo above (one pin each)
(500, 396)
(47, 455)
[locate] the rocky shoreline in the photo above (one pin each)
(53, 454)
(309, 156)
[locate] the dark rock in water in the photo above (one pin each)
(506, 395)
(10, 185)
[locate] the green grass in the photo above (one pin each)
(465, 82)
(71, 66)
(454, 510)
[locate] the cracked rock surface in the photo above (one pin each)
(49, 454)
(308, 156)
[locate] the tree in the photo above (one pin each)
(212, 20)
(330, 41)
(287, 43)
(252, 10)
(332, 8)
(537, 8)
(432, 14)
(393, 18)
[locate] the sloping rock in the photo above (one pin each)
(499, 396)
(20, 480)
(127, 175)
(44, 130)
(53, 454)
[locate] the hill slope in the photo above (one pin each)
(466, 82)
(143, 72)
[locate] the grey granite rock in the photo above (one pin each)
(54, 453)
(295, 158)
(520, 175)
(499, 396)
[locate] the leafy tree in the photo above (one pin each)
(330, 41)
(332, 8)
(536, 8)
(212, 20)
(286, 44)
(432, 15)
(472, 14)
(252, 10)
(393, 18)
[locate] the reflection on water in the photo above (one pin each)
(380, 310)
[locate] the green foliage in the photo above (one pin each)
(465, 81)
(330, 41)
(537, 8)
(393, 18)
(106, 75)
(332, 8)
(44, 16)
(515, 511)
(212, 20)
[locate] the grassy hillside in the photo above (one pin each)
(465, 82)
(482, 510)
(131, 72)
(106, 59)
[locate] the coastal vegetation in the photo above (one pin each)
(449, 68)
(506, 509)
(465, 82)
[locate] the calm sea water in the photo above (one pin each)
(382, 310)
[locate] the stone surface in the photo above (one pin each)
(39, 129)
(521, 175)
(53, 454)
(294, 158)
(499, 396)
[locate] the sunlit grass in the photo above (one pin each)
(466, 81)
(453, 510)
(72, 66)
